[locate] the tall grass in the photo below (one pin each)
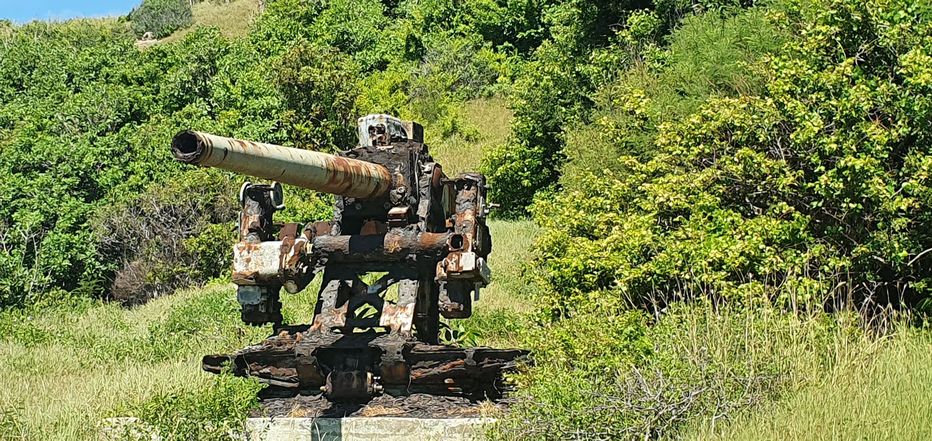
(730, 372)
(878, 389)
(66, 368)
(511, 248)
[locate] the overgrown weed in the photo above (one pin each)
(609, 375)
(66, 369)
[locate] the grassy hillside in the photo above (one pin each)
(717, 212)
(231, 18)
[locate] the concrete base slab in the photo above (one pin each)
(366, 429)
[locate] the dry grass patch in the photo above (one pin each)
(232, 18)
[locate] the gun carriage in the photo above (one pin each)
(418, 237)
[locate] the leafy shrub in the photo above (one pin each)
(318, 85)
(457, 64)
(560, 394)
(161, 17)
(53, 162)
(551, 90)
(706, 56)
(170, 236)
(85, 124)
(812, 191)
(589, 41)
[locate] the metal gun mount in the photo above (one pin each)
(417, 237)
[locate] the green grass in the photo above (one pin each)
(232, 18)
(490, 119)
(511, 248)
(722, 372)
(68, 367)
(880, 390)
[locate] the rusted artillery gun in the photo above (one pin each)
(418, 237)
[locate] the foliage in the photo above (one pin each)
(161, 17)
(172, 235)
(318, 87)
(760, 162)
(879, 394)
(588, 42)
(706, 56)
(697, 364)
(811, 190)
(51, 99)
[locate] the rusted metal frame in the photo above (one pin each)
(467, 205)
(382, 130)
(399, 317)
(465, 230)
(255, 258)
(364, 298)
(463, 270)
(296, 267)
(342, 293)
(285, 261)
(304, 360)
(256, 210)
(397, 244)
(430, 210)
(331, 307)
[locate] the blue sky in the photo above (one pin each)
(21, 11)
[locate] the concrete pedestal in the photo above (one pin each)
(366, 429)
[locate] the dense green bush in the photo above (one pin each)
(172, 235)
(811, 189)
(551, 90)
(161, 17)
(707, 56)
(63, 143)
(319, 89)
(589, 44)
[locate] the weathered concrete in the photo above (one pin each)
(366, 429)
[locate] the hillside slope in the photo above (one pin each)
(232, 18)
(719, 211)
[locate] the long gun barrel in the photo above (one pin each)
(406, 246)
(303, 168)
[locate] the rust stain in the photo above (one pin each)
(396, 214)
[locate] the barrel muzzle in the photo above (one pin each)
(188, 147)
